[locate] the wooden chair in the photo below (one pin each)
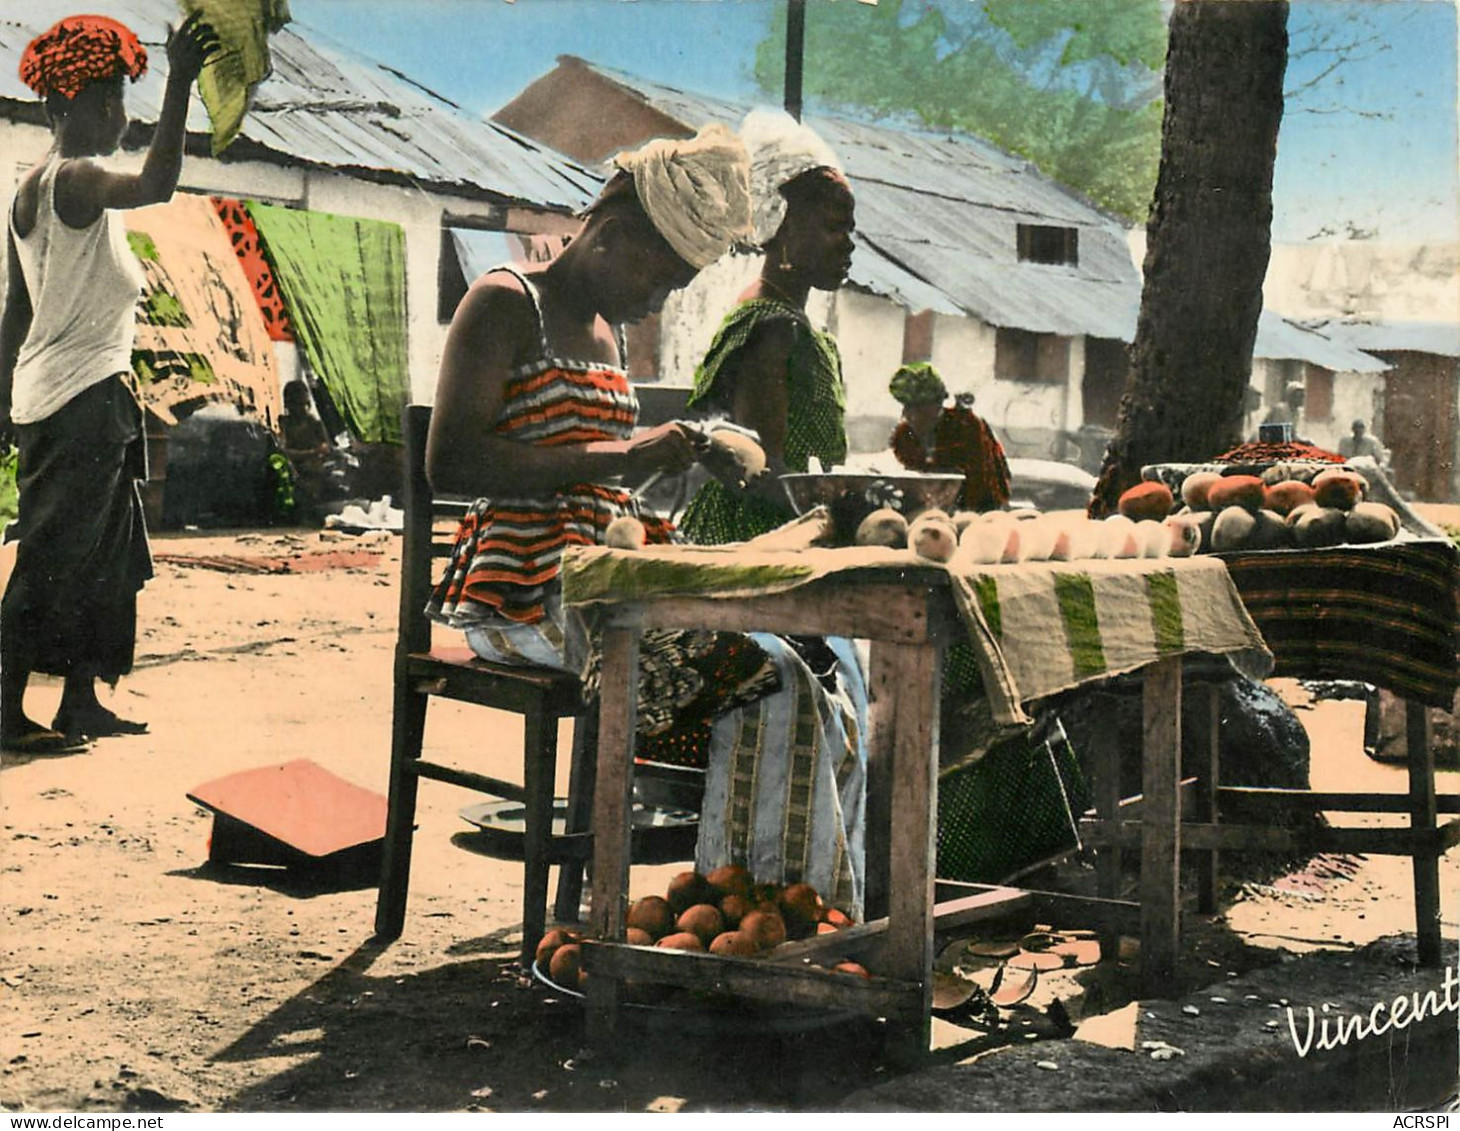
(540, 695)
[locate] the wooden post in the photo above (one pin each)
(908, 955)
(1160, 826)
(1423, 816)
(612, 815)
(795, 55)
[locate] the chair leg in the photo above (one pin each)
(568, 906)
(408, 731)
(540, 757)
(1423, 815)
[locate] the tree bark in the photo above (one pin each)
(1208, 240)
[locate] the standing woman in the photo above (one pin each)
(768, 368)
(67, 397)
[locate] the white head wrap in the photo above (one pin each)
(696, 193)
(781, 149)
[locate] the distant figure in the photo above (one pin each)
(312, 465)
(934, 437)
(1362, 442)
(67, 394)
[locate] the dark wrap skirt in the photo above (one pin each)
(71, 605)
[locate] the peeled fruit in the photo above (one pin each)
(636, 936)
(702, 920)
(1185, 533)
(1339, 489)
(681, 940)
(566, 967)
(1195, 488)
(550, 942)
(1237, 491)
(1283, 497)
(983, 542)
(687, 889)
(1231, 528)
(625, 533)
(731, 879)
(800, 908)
(1145, 501)
(962, 520)
(652, 914)
(1013, 542)
(1119, 538)
(1371, 522)
(933, 538)
(765, 928)
(883, 527)
(1154, 539)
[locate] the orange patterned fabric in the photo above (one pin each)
(244, 236)
(78, 51)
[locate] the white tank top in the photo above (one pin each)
(83, 285)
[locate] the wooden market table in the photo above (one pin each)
(1109, 617)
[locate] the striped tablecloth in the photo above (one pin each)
(1382, 614)
(1037, 627)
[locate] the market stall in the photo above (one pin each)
(1037, 627)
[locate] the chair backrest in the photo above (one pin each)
(421, 545)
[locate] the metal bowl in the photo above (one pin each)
(811, 489)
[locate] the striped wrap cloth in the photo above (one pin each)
(1382, 614)
(1037, 627)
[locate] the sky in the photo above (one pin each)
(1374, 150)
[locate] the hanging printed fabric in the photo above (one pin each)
(245, 240)
(228, 80)
(200, 338)
(344, 283)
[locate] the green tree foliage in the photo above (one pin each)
(1071, 85)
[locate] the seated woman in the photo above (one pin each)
(935, 436)
(768, 368)
(534, 417)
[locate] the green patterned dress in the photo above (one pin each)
(815, 424)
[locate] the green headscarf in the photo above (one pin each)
(918, 383)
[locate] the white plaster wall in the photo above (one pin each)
(690, 317)
(963, 352)
(869, 334)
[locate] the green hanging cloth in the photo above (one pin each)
(229, 79)
(344, 284)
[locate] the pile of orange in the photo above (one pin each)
(726, 912)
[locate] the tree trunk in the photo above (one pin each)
(1208, 240)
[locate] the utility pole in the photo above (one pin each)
(795, 53)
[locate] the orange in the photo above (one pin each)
(731, 879)
(652, 914)
(801, 908)
(550, 942)
(682, 940)
(687, 889)
(734, 908)
(849, 967)
(766, 928)
(733, 943)
(704, 920)
(636, 936)
(567, 966)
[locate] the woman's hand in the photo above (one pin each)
(667, 447)
(189, 47)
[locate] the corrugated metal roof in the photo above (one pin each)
(937, 220)
(325, 106)
(1279, 337)
(1441, 338)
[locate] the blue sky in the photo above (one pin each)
(1376, 150)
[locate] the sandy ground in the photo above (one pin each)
(133, 977)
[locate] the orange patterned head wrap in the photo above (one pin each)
(78, 51)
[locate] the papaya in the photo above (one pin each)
(1145, 501)
(1237, 491)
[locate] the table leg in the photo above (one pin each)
(612, 808)
(913, 845)
(1160, 826)
(882, 677)
(1423, 815)
(1208, 721)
